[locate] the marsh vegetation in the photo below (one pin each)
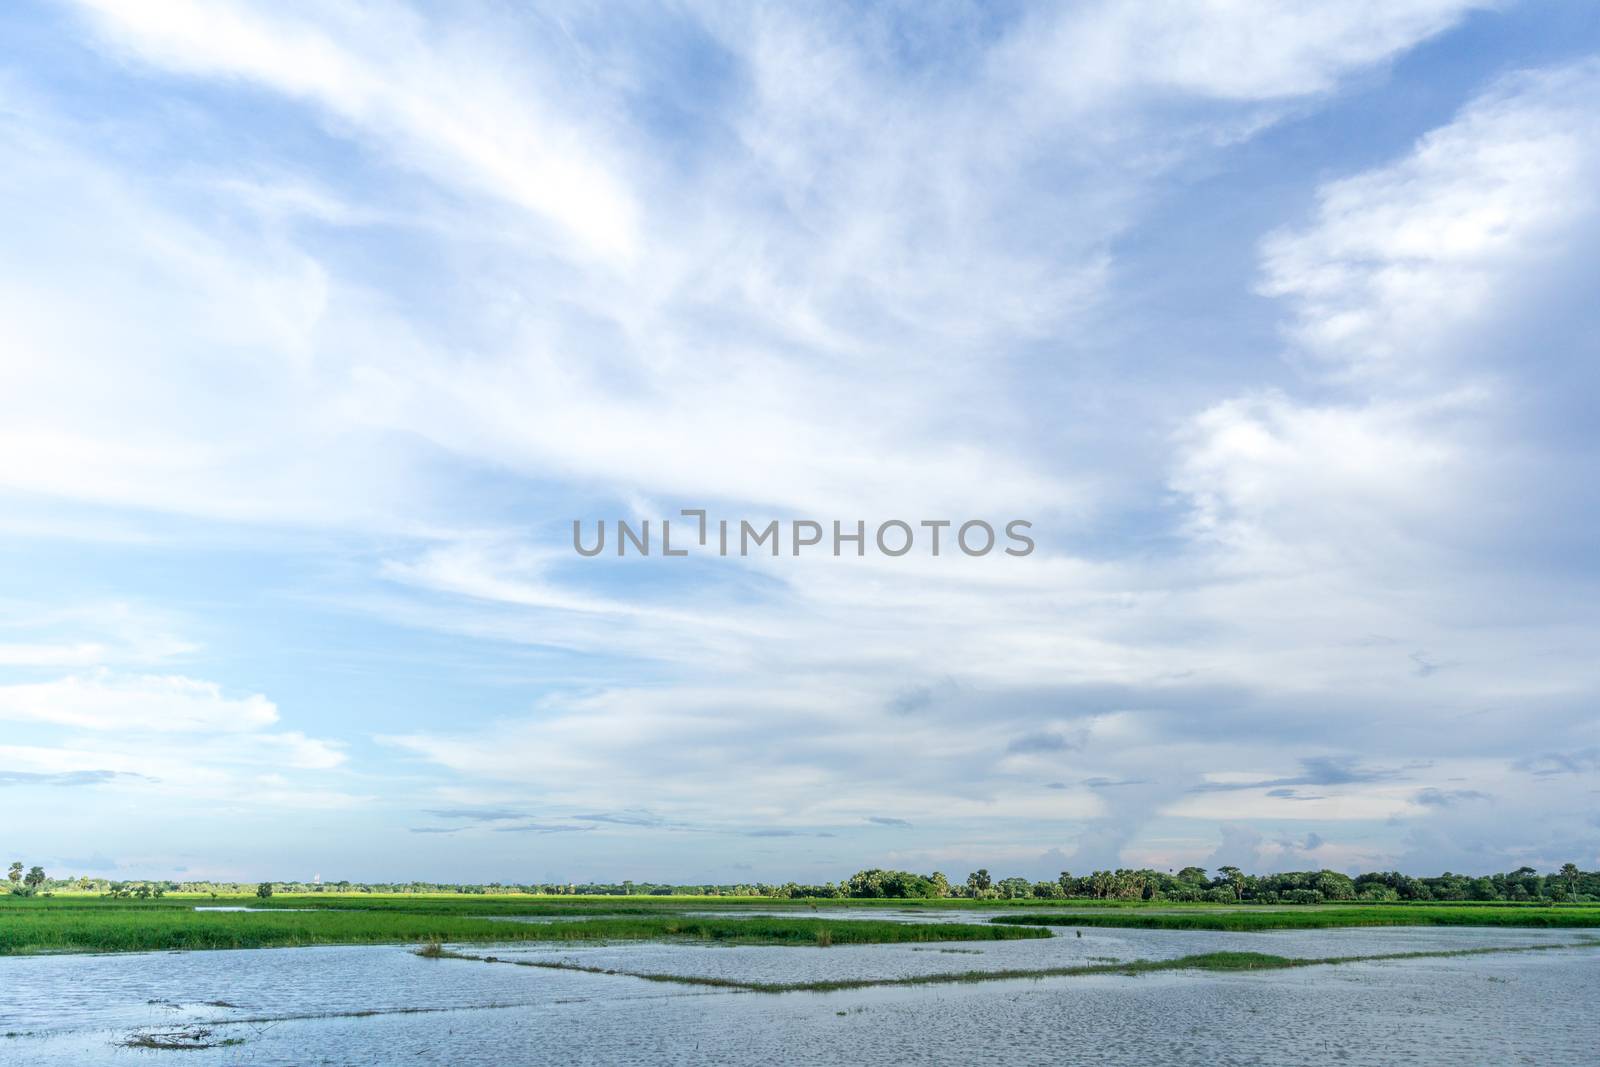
(33, 925)
(97, 924)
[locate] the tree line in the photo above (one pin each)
(1226, 885)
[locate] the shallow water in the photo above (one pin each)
(1066, 949)
(1535, 1007)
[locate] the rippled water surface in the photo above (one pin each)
(383, 1005)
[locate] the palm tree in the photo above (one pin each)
(1570, 872)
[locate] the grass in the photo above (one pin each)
(1312, 918)
(1209, 961)
(190, 1038)
(95, 924)
(36, 926)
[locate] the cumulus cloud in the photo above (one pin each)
(1408, 285)
(1372, 493)
(1240, 847)
(1403, 261)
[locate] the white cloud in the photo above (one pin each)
(787, 357)
(35, 654)
(135, 703)
(1226, 49)
(88, 635)
(445, 101)
(1401, 263)
(1290, 485)
(1408, 286)
(111, 407)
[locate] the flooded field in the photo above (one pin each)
(385, 1005)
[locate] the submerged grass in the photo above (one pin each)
(1313, 918)
(188, 1038)
(124, 927)
(1209, 961)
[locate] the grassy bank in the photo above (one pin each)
(1314, 918)
(48, 926)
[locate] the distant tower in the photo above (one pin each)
(316, 879)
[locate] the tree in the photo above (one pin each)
(1015, 888)
(880, 883)
(35, 879)
(978, 881)
(1335, 886)
(15, 873)
(1128, 884)
(264, 890)
(1569, 873)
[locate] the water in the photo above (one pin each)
(383, 1005)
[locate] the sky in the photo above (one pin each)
(320, 326)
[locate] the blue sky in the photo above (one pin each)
(319, 325)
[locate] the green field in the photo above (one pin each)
(86, 924)
(95, 924)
